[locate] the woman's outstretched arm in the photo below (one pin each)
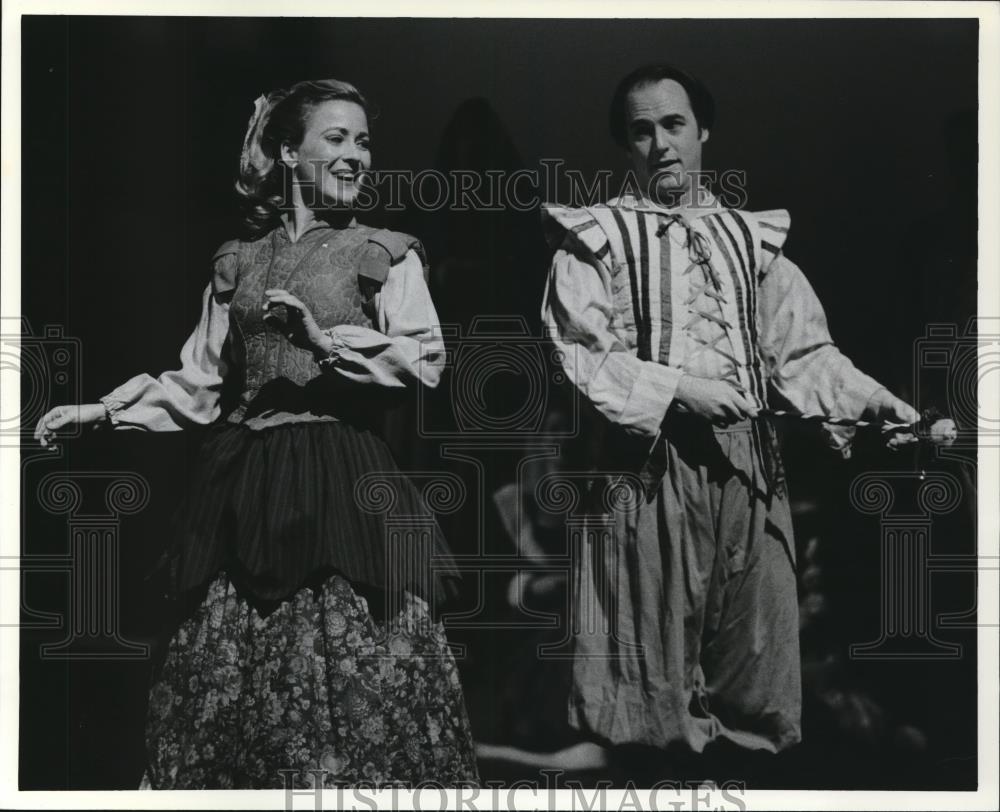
(175, 400)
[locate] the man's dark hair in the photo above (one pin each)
(702, 103)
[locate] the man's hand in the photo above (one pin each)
(883, 405)
(717, 401)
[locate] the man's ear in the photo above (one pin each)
(703, 135)
(289, 156)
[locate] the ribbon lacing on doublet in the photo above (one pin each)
(707, 326)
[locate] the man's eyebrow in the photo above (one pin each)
(641, 119)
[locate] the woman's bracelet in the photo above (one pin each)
(331, 356)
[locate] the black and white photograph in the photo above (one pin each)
(550, 412)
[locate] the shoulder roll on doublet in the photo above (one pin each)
(580, 226)
(225, 270)
(772, 229)
(383, 250)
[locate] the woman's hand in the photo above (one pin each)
(717, 401)
(300, 327)
(50, 423)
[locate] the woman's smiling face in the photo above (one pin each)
(330, 163)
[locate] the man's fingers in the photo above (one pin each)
(746, 406)
(729, 412)
(899, 440)
(905, 412)
(737, 407)
(897, 410)
(723, 415)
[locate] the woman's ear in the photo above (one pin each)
(289, 155)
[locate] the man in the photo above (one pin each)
(681, 320)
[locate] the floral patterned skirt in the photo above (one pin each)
(318, 687)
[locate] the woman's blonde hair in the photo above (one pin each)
(280, 117)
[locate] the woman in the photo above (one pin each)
(306, 651)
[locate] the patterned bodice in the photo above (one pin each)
(334, 272)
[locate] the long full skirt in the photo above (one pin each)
(303, 650)
(319, 688)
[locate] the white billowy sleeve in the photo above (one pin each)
(806, 368)
(407, 347)
(185, 397)
(578, 312)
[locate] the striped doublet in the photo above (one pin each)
(684, 289)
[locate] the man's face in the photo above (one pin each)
(664, 140)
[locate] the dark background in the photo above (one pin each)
(131, 127)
